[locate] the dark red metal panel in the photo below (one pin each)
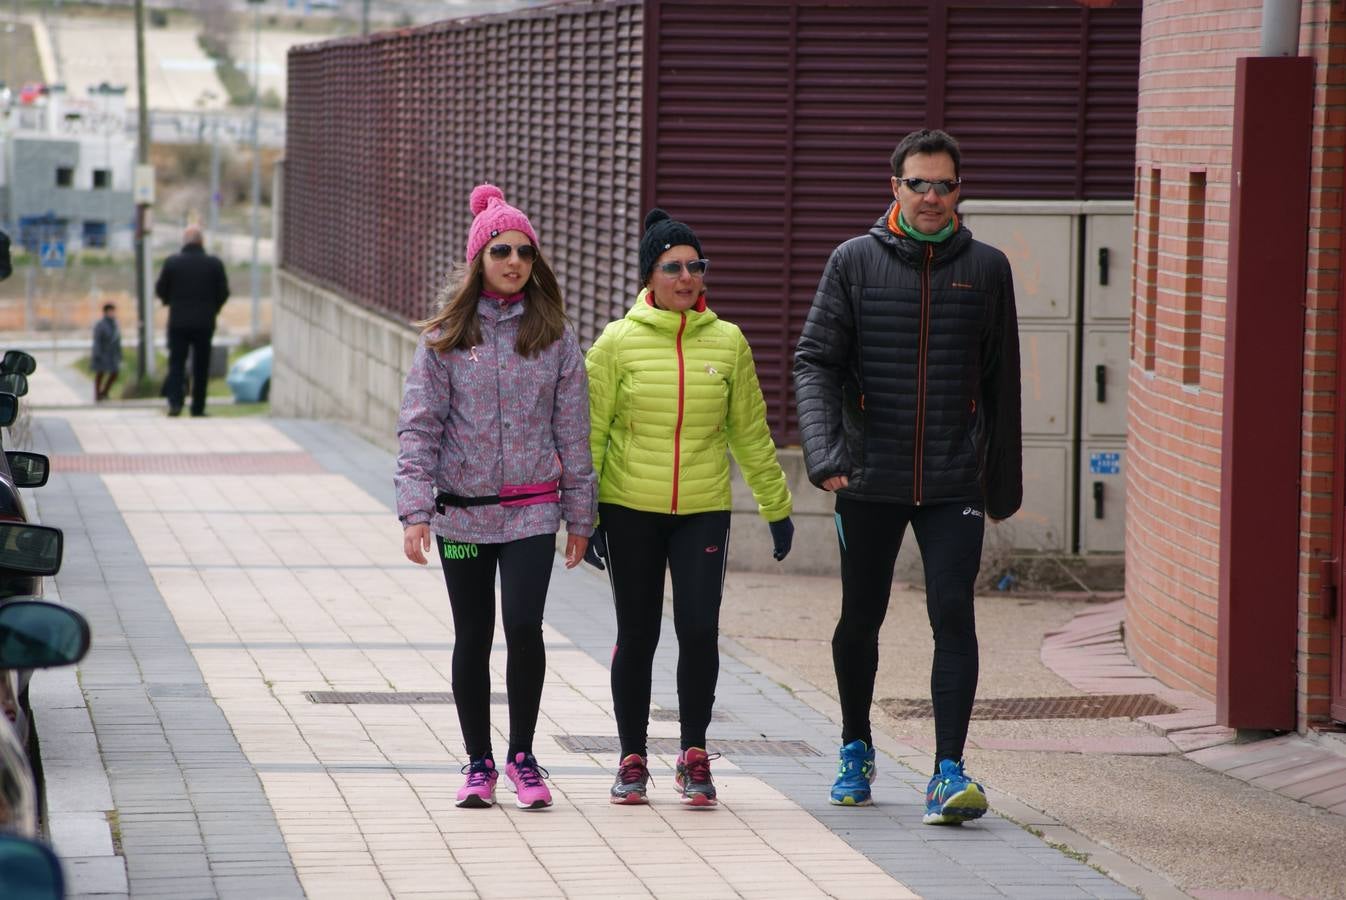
(1263, 383)
(768, 127)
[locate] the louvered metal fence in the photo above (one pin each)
(766, 126)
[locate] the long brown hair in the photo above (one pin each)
(544, 314)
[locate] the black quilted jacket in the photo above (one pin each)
(907, 373)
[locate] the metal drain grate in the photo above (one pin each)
(595, 743)
(405, 698)
(1098, 706)
(671, 715)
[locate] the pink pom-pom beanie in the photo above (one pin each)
(493, 217)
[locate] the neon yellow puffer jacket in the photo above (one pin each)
(669, 393)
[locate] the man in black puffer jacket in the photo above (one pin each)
(193, 285)
(907, 381)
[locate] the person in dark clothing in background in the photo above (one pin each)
(6, 268)
(106, 358)
(907, 382)
(193, 285)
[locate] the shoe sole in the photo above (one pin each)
(474, 802)
(536, 804)
(851, 801)
(630, 800)
(698, 801)
(962, 807)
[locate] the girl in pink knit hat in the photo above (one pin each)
(494, 452)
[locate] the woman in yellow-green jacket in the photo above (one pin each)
(672, 387)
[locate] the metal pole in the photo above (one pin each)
(145, 319)
(213, 221)
(256, 163)
(364, 17)
(1280, 28)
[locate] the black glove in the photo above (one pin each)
(597, 551)
(782, 537)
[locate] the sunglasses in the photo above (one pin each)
(695, 268)
(922, 186)
(527, 252)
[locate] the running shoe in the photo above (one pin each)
(478, 791)
(633, 777)
(951, 798)
(855, 772)
(525, 777)
(692, 777)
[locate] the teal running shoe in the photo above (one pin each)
(855, 772)
(951, 798)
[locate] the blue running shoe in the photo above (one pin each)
(951, 798)
(855, 771)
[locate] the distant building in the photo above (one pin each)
(66, 167)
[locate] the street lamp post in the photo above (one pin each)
(256, 163)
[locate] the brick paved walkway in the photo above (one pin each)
(224, 591)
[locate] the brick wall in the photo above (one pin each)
(1183, 159)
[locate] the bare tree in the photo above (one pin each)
(218, 27)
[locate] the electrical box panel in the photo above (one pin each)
(1047, 372)
(1108, 236)
(1102, 506)
(1043, 522)
(1107, 362)
(1042, 252)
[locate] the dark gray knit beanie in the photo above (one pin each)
(662, 232)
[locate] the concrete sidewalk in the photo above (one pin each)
(233, 567)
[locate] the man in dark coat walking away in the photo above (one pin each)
(5, 267)
(193, 286)
(907, 379)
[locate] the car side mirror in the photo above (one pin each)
(14, 383)
(30, 549)
(16, 361)
(28, 470)
(29, 869)
(39, 634)
(9, 409)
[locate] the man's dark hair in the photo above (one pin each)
(928, 141)
(109, 307)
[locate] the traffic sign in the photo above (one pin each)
(52, 254)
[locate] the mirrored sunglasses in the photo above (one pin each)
(695, 268)
(921, 186)
(527, 252)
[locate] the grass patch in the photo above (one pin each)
(128, 389)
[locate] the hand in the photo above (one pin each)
(835, 483)
(576, 549)
(416, 542)
(782, 537)
(597, 550)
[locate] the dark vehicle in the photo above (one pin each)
(25, 550)
(34, 634)
(17, 362)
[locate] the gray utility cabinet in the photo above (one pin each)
(1072, 286)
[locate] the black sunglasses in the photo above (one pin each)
(527, 252)
(695, 267)
(922, 186)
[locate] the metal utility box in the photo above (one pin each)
(1044, 521)
(1108, 226)
(1047, 365)
(1040, 241)
(1103, 401)
(1102, 505)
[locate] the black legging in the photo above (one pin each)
(950, 538)
(641, 547)
(469, 573)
